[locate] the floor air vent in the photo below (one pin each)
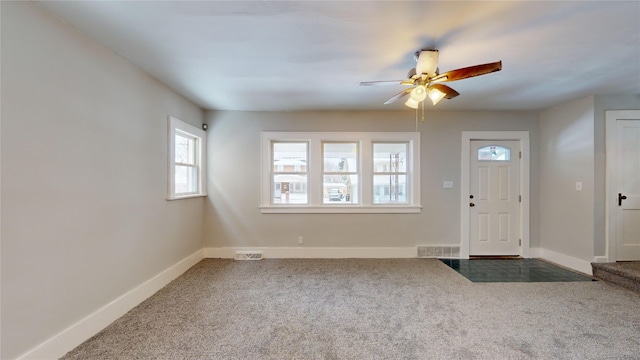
(439, 252)
(248, 255)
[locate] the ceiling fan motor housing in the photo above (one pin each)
(416, 55)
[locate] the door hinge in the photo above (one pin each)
(519, 198)
(520, 155)
(519, 242)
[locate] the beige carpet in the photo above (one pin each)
(368, 309)
(624, 273)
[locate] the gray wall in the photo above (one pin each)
(602, 104)
(563, 161)
(83, 174)
(566, 157)
(84, 215)
(233, 218)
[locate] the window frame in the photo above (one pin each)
(387, 170)
(178, 127)
(357, 172)
(274, 173)
(315, 170)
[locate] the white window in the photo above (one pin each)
(187, 172)
(340, 172)
(289, 173)
(390, 172)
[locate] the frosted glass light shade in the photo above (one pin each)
(419, 93)
(412, 103)
(436, 95)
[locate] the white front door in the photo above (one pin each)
(626, 190)
(494, 198)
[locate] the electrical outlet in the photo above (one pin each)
(447, 184)
(300, 240)
(579, 185)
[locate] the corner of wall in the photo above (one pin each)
(76, 334)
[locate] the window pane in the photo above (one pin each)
(390, 189)
(340, 189)
(340, 157)
(290, 189)
(185, 150)
(390, 157)
(340, 178)
(290, 181)
(290, 157)
(186, 179)
(494, 153)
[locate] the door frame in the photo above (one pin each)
(611, 141)
(465, 171)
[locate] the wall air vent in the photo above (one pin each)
(248, 255)
(438, 251)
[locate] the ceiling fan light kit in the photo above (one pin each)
(426, 80)
(412, 103)
(436, 95)
(419, 93)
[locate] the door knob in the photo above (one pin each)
(470, 196)
(472, 204)
(620, 198)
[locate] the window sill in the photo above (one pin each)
(349, 209)
(186, 197)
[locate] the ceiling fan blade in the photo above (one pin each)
(449, 92)
(427, 62)
(468, 72)
(398, 96)
(383, 82)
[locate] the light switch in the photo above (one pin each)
(579, 185)
(448, 184)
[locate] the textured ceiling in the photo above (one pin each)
(312, 55)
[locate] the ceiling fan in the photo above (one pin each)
(426, 81)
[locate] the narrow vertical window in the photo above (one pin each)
(390, 173)
(340, 170)
(186, 160)
(186, 168)
(289, 172)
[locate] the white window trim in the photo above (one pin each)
(314, 171)
(176, 125)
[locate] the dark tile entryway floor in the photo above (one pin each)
(513, 270)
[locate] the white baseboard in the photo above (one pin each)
(76, 334)
(583, 266)
(316, 252)
(600, 259)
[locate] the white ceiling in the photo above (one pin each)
(312, 55)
